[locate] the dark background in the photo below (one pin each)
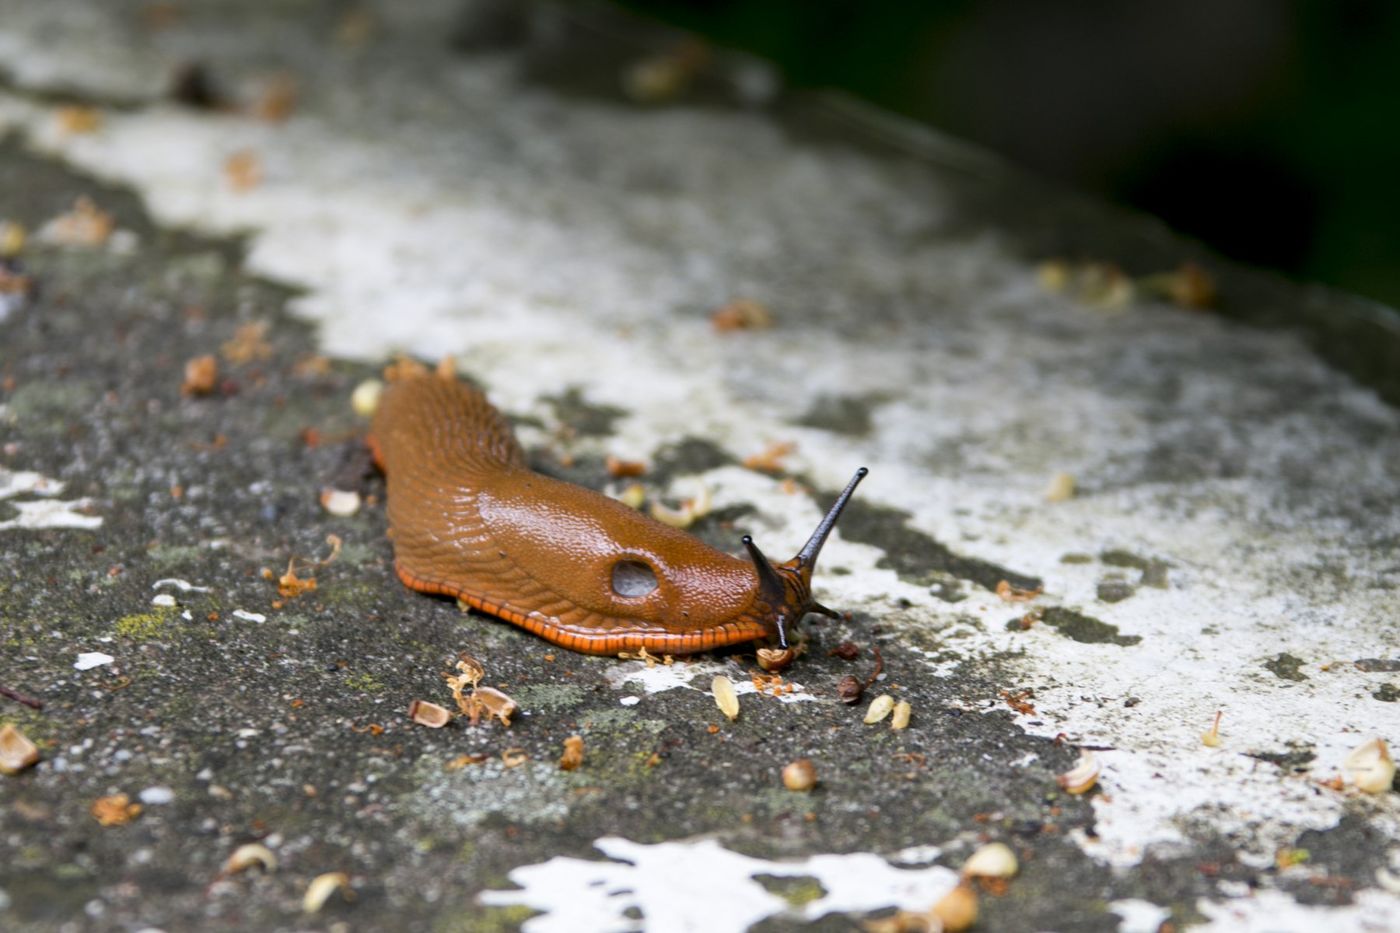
(1270, 129)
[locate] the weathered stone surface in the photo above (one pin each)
(512, 207)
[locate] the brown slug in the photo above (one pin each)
(470, 519)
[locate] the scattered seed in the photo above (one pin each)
(993, 860)
(322, 887)
(514, 757)
(364, 400)
(16, 751)
(1082, 777)
(1061, 488)
(248, 856)
(633, 495)
(1371, 767)
(493, 703)
(880, 707)
(573, 753)
(429, 714)
(957, 910)
(800, 775)
(902, 711)
(341, 503)
(725, 697)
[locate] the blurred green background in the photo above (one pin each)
(1269, 129)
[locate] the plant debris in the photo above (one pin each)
(742, 314)
(770, 459)
(573, 754)
(248, 344)
(18, 697)
(622, 469)
(993, 860)
(84, 225)
(880, 707)
(800, 775)
(201, 375)
(251, 855)
(725, 697)
(16, 751)
(1211, 737)
(114, 810)
(322, 887)
(1016, 594)
(1082, 777)
(900, 718)
(429, 714)
(1370, 767)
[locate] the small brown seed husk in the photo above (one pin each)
(725, 697)
(849, 689)
(572, 758)
(429, 714)
(16, 751)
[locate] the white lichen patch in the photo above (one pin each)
(674, 884)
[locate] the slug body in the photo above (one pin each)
(470, 519)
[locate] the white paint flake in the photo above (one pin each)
(247, 616)
(184, 586)
(45, 513)
(673, 885)
(90, 659)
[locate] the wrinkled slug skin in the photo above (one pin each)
(469, 519)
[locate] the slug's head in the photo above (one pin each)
(787, 588)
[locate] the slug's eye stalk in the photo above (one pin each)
(788, 587)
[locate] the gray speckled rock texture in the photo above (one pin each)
(474, 180)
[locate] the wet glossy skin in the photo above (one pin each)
(469, 519)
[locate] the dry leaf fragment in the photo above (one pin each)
(742, 314)
(429, 714)
(322, 887)
(114, 810)
(1082, 777)
(902, 711)
(725, 697)
(514, 757)
(472, 669)
(994, 860)
(880, 707)
(800, 775)
(16, 751)
(1371, 768)
(573, 753)
(248, 856)
(770, 459)
(201, 375)
(1016, 594)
